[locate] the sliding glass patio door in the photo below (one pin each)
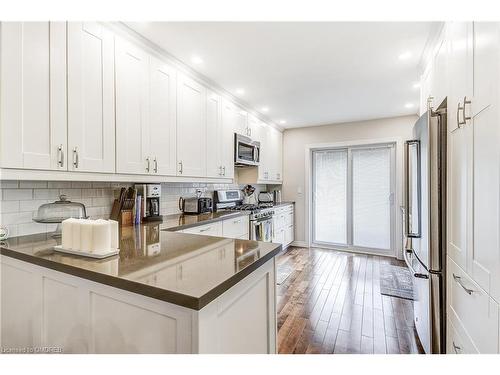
(353, 205)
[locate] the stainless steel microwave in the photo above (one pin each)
(246, 151)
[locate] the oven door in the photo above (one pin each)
(261, 230)
(246, 151)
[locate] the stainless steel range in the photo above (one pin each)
(261, 215)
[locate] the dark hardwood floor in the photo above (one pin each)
(331, 303)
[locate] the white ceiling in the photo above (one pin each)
(307, 73)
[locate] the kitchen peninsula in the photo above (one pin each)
(166, 292)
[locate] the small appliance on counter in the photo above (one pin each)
(277, 196)
(151, 194)
(249, 195)
(195, 205)
(58, 211)
(265, 197)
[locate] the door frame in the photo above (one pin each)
(396, 240)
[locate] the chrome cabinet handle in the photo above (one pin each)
(458, 279)
(466, 118)
(224, 171)
(155, 165)
(75, 157)
(60, 155)
(204, 230)
(180, 167)
(459, 123)
(220, 170)
(456, 348)
(237, 221)
(147, 164)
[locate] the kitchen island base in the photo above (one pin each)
(41, 307)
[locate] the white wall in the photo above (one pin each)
(294, 156)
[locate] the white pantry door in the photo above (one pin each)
(191, 128)
(163, 117)
(91, 96)
(132, 109)
(33, 95)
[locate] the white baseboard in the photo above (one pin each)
(299, 244)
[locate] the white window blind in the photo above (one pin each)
(371, 205)
(330, 196)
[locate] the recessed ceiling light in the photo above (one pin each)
(265, 109)
(409, 105)
(196, 60)
(416, 85)
(240, 91)
(282, 122)
(405, 55)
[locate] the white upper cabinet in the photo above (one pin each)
(485, 255)
(33, 95)
(253, 128)
(132, 109)
(214, 135)
(163, 118)
(227, 146)
(241, 122)
(91, 101)
(191, 128)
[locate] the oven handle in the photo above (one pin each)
(418, 275)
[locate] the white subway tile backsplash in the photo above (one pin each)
(51, 194)
(6, 184)
(16, 218)
(31, 205)
(59, 184)
(19, 200)
(32, 184)
(9, 206)
(17, 194)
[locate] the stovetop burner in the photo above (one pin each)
(250, 207)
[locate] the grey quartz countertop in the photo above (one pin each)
(150, 257)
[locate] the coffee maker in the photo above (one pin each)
(151, 194)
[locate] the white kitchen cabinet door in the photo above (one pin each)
(162, 118)
(265, 152)
(191, 128)
(132, 109)
(484, 266)
(228, 126)
(241, 122)
(460, 70)
(215, 143)
(253, 127)
(439, 87)
(278, 155)
(459, 142)
(33, 95)
(91, 100)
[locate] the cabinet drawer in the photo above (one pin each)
(471, 307)
(289, 218)
(235, 227)
(214, 229)
(457, 340)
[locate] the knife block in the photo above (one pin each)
(126, 218)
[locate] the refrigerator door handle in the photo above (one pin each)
(418, 275)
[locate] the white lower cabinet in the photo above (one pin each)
(33, 121)
(471, 308)
(283, 225)
(45, 308)
(237, 227)
(214, 229)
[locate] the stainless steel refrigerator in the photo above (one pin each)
(425, 225)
